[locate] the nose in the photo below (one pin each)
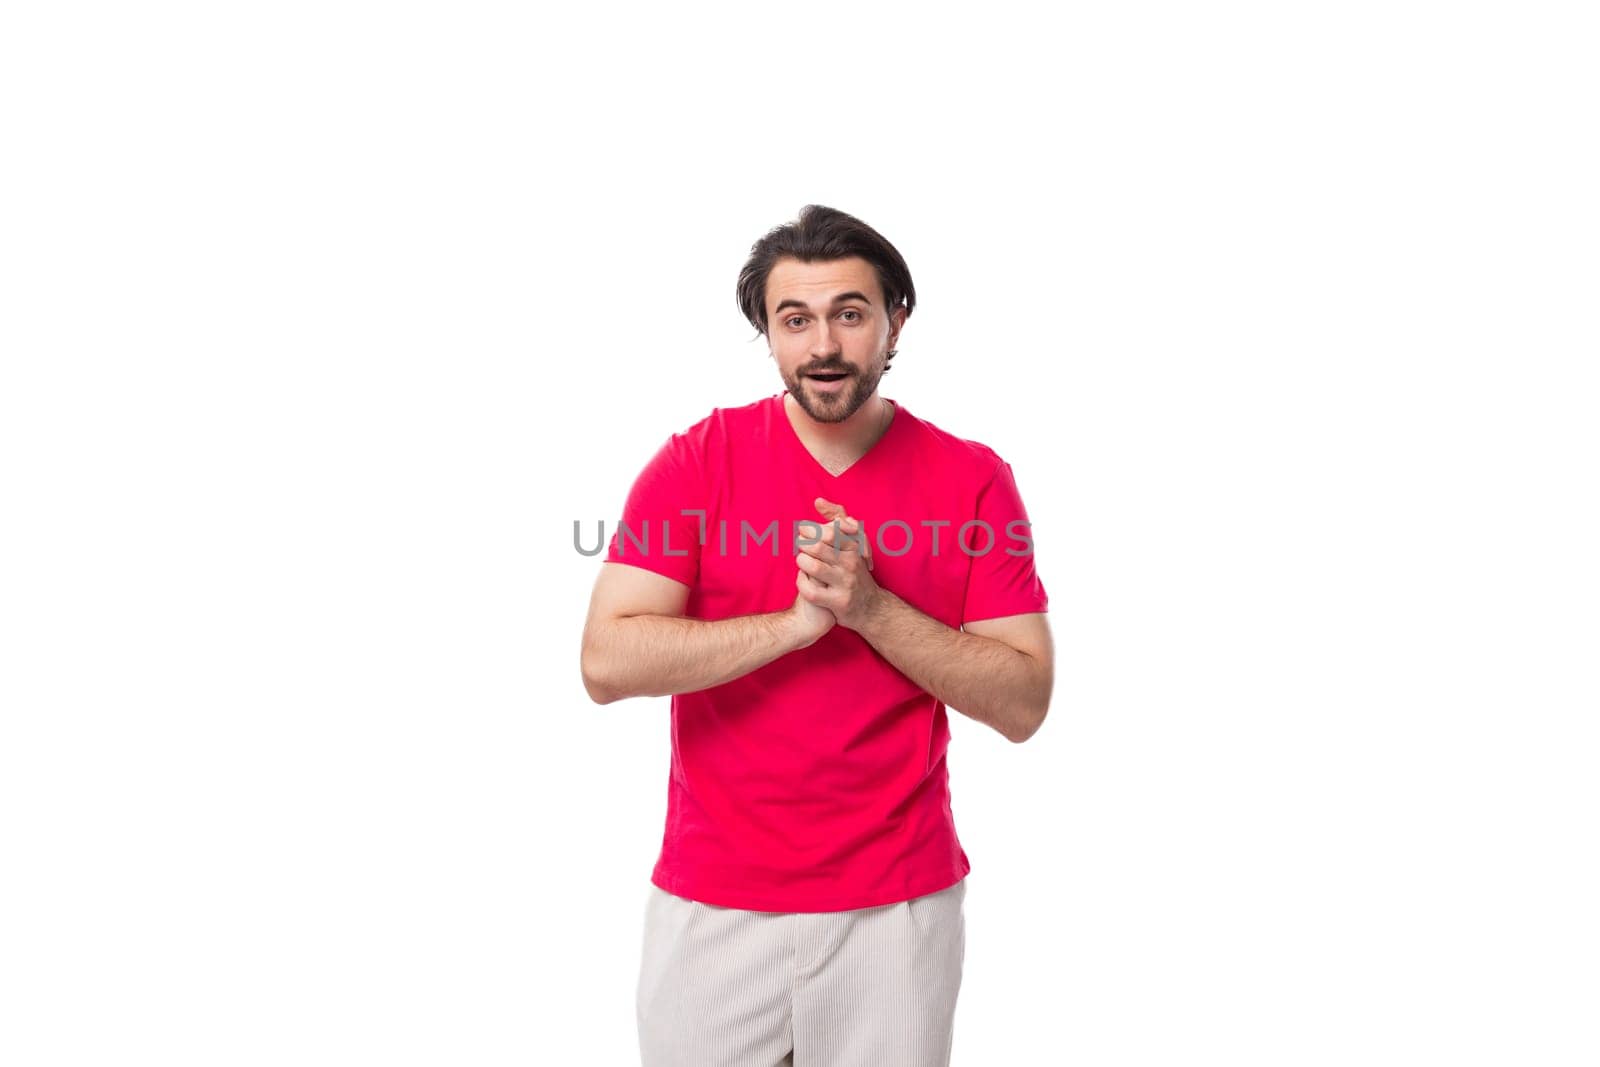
(824, 345)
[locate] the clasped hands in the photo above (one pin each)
(835, 581)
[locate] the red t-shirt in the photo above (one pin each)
(818, 782)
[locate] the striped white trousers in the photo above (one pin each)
(870, 987)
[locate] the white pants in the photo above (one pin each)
(870, 987)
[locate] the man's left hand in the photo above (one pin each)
(844, 569)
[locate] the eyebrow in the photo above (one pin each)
(840, 299)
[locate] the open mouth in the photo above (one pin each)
(831, 377)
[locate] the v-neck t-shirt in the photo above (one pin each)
(818, 782)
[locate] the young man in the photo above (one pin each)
(814, 578)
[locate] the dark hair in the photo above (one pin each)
(823, 233)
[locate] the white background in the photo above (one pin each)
(321, 324)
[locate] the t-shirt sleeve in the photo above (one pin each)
(1001, 581)
(653, 532)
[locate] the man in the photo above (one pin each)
(806, 907)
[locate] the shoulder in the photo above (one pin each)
(705, 442)
(720, 426)
(974, 462)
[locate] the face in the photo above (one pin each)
(828, 318)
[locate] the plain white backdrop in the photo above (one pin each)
(322, 323)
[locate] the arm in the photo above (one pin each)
(636, 642)
(997, 671)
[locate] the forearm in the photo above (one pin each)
(977, 676)
(658, 655)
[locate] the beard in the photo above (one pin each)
(839, 406)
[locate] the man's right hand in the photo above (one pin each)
(811, 620)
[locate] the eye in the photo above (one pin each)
(790, 320)
(852, 311)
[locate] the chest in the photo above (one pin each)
(910, 522)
